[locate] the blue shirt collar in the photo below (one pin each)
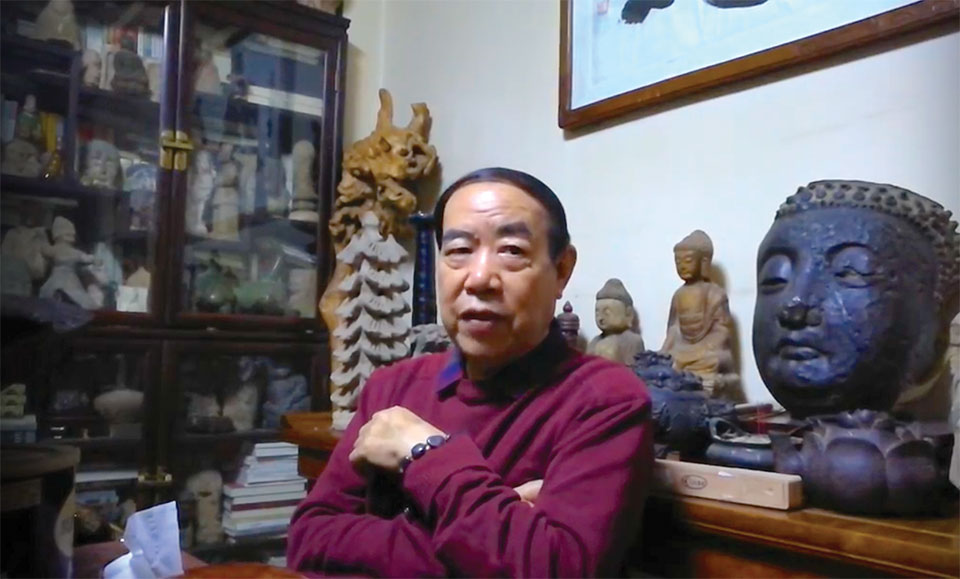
(518, 376)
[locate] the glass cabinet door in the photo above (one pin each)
(91, 394)
(252, 211)
(234, 481)
(80, 85)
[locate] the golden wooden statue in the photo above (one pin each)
(376, 173)
(699, 326)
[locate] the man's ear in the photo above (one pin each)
(565, 264)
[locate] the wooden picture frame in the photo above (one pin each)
(882, 24)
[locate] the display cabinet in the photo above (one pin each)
(169, 166)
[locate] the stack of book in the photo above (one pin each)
(265, 494)
(21, 429)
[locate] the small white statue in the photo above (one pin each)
(248, 181)
(303, 292)
(226, 203)
(102, 167)
(202, 181)
(58, 22)
(207, 77)
(304, 187)
(28, 244)
(64, 279)
(92, 68)
(21, 158)
(205, 487)
(241, 407)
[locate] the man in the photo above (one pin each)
(511, 454)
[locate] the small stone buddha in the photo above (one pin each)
(619, 338)
(699, 325)
(857, 284)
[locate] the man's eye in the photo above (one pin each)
(456, 251)
(513, 250)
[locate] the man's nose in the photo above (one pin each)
(483, 275)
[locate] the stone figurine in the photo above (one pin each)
(203, 179)
(28, 127)
(92, 68)
(207, 77)
(302, 283)
(680, 408)
(226, 203)
(699, 324)
(286, 392)
(857, 284)
(57, 22)
(864, 462)
(274, 179)
(27, 244)
(240, 405)
(140, 182)
(205, 488)
(247, 181)
(64, 280)
(569, 324)
(21, 158)
(129, 74)
(428, 339)
(102, 165)
(619, 338)
(304, 188)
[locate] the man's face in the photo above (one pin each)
(498, 285)
(688, 264)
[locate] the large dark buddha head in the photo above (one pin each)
(857, 284)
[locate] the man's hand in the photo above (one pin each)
(388, 437)
(529, 491)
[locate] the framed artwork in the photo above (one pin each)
(617, 56)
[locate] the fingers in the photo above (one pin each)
(529, 491)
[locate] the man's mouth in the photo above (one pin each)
(480, 316)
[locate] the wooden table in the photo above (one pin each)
(312, 433)
(689, 537)
(710, 538)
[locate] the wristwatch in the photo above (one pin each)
(419, 449)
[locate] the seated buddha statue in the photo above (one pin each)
(699, 324)
(619, 338)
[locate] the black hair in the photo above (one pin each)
(558, 237)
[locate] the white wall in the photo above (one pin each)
(488, 71)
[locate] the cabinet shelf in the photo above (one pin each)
(243, 546)
(253, 435)
(62, 188)
(97, 443)
(17, 48)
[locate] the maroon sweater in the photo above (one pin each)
(578, 422)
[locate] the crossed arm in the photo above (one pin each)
(472, 522)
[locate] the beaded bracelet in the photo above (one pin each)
(419, 449)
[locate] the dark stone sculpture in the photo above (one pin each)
(857, 284)
(569, 323)
(864, 462)
(129, 74)
(680, 408)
